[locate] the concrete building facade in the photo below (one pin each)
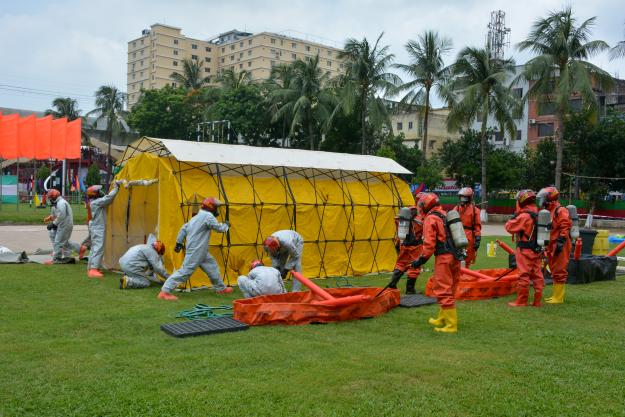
(160, 51)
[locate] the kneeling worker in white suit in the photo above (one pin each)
(261, 280)
(141, 264)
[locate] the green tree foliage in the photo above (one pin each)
(430, 172)
(43, 172)
(93, 175)
(393, 147)
(191, 78)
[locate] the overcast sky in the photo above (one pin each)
(69, 48)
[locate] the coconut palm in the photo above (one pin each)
(427, 71)
(191, 78)
(481, 88)
(280, 77)
(233, 80)
(560, 69)
(366, 79)
(306, 99)
(109, 103)
(618, 51)
(68, 107)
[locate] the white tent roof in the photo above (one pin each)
(204, 152)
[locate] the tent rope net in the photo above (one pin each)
(190, 204)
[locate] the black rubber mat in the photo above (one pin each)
(416, 300)
(202, 327)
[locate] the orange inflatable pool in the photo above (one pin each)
(308, 307)
(484, 286)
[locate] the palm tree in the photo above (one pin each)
(306, 99)
(280, 78)
(233, 80)
(618, 51)
(109, 103)
(68, 107)
(427, 71)
(191, 78)
(481, 83)
(366, 77)
(560, 69)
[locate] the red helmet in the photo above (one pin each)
(255, 263)
(159, 247)
(417, 196)
(525, 197)
(547, 195)
(428, 202)
(211, 204)
(465, 194)
(94, 191)
(271, 244)
(53, 194)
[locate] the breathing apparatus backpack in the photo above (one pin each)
(455, 239)
(574, 232)
(539, 238)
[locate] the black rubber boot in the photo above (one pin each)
(395, 278)
(410, 283)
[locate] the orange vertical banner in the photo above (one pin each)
(8, 136)
(57, 141)
(26, 137)
(72, 139)
(43, 135)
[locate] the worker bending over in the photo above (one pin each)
(437, 241)
(285, 248)
(524, 226)
(197, 233)
(60, 224)
(141, 264)
(97, 226)
(470, 217)
(261, 280)
(559, 249)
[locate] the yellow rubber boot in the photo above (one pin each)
(558, 295)
(439, 321)
(451, 321)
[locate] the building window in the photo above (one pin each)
(231, 57)
(207, 49)
(134, 54)
(175, 52)
(498, 136)
(133, 76)
(193, 46)
(249, 53)
(141, 74)
(249, 42)
(240, 54)
(518, 92)
(281, 42)
(241, 44)
(341, 65)
(409, 125)
(249, 64)
(153, 77)
(575, 105)
(141, 41)
(240, 66)
(329, 63)
(307, 48)
(175, 41)
(175, 63)
(223, 50)
(308, 59)
(293, 56)
(400, 125)
(223, 60)
(545, 129)
(194, 57)
(133, 67)
(272, 63)
(173, 85)
(207, 69)
(329, 53)
(273, 41)
(141, 63)
(134, 44)
(207, 59)
(142, 52)
(232, 47)
(546, 108)
(518, 135)
(293, 45)
(432, 143)
(232, 68)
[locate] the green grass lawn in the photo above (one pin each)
(26, 214)
(70, 346)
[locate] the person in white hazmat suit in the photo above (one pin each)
(60, 226)
(197, 233)
(286, 247)
(97, 226)
(141, 264)
(261, 280)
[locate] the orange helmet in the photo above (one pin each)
(211, 204)
(465, 194)
(159, 247)
(94, 191)
(53, 194)
(547, 195)
(255, 263)
(417, 196)
(271, 244)
(525, 197)
(428, 202)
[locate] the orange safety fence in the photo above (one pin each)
(39, 138)
(483, 284)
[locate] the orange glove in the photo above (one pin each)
(48, 219)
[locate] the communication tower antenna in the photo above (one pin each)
(498, 37)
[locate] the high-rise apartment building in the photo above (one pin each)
(160, 50)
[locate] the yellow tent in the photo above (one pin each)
(343, 205)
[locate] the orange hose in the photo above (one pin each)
(312, 286)
(617, 249)
(475, 274)
(505, 247)
(343, 301)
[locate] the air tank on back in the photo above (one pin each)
(457, 230)
(574, 220)
(404, 218)
(542, 226)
